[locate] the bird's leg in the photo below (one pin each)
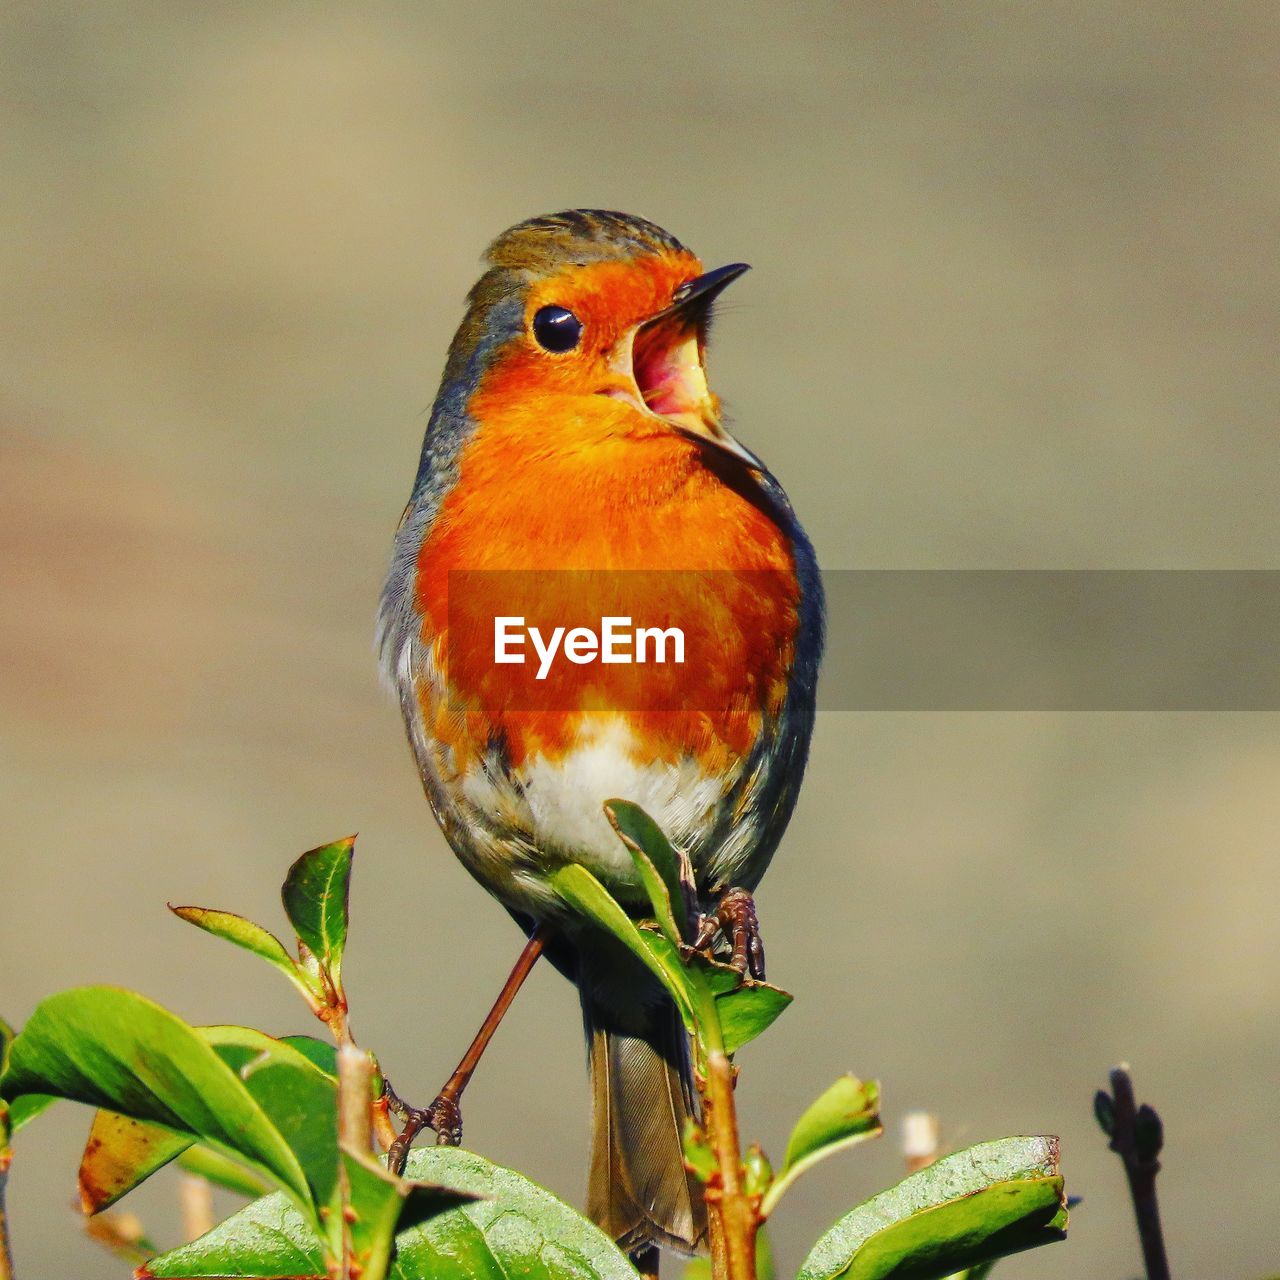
(735, 918)
(444, 1115)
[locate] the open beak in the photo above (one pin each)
(666, 362)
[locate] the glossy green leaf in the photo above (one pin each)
(123, 1152)
(214, 1167)
(850, 1108)
(577, 886)
(749, 1010)
(322, 1054)
(315, 897)
(299, 1099)
(375, 1197)
(384, 1207)
(744, 1006)
(980, 1272)
(982, 1203)
(117, 1050)
(517, 1228)
(845, 1114)
(268, 1238)
(25, 1109)
(657, 865)
(742, 1009)
(251, 937)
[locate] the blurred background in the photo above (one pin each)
(1015, 304)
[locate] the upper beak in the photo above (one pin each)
(699, 293)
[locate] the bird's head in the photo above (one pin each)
(589, 303)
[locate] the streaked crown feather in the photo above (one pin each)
(578, 236)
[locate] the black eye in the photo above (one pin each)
(557, 329)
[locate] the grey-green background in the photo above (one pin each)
(1015, 304)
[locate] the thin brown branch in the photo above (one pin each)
(355, 1098)
(733, 1216)
(1137, 1137)
(355, 1134)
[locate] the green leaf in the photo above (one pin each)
(703, 989)
(757, 1171)
(123, 1152)
(207, 1163)
(657, 865)
(268, 1238)
(846, 1113)
(380, 1203)
(980, 1272)
(315, 896)
(322, 1054)
(25, 1109)
(744, 1006)
(252, 937)
(749, 1010)
(298, 1098)
(517, 1228)
(980, 1204)
(577, 886)
(117, 1050)
(848, 1109)
(375, 1199)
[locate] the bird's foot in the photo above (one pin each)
(443, 1117)
(735, 919)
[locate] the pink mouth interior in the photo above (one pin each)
(660, 359)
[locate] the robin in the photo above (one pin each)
(574, 430)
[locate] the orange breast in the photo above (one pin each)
(554, 484)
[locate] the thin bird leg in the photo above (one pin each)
(444, 1115)
(735, 918)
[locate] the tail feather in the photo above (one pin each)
(642, 1094)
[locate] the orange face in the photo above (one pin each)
(621, 338)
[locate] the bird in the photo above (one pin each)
(575, 432)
